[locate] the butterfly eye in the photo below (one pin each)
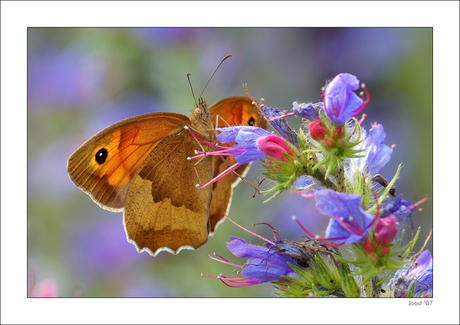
(251, 122)
(101, 156)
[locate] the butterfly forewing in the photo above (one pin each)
(125, 145)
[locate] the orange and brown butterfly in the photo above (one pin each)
(139, 166)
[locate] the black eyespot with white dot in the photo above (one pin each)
(251, 121)
(101, 156)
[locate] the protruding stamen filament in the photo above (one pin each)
(221, 175)
(362, 119)
(274, 230)
(321, 239)
(263, 238)
(224, 261)
(365, 101)
(302, 227)
(280, 116)
(198, 138)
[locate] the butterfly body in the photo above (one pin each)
(140, 166)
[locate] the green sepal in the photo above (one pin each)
(408, 247)
(321, 293)
(324, 274)
(303, 274)
(410, 293)
(348, 283)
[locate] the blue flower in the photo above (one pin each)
(422, 271)
(307, 111)
(349, 222)
(280, 124)
(376, 154)
(264, 264)
(400, 208)
(340, 102)
(245, 149)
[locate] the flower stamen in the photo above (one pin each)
(225, 261)
(263, 238)
(221, 175)
(274, 230)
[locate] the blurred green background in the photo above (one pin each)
(81, 80)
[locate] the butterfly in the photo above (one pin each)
(139, 166)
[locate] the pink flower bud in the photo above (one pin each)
(368, 246)
(317, 131)
(338, 132)
(384, 250)
(386, 229)
(273, 146)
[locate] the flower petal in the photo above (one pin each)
(280, 125)
(400, 208)
(307, 111)
(229, 134)
(343, 206)
(243, 137)
(341, 103)
(376, 154)
(263, 264)
(423, 271)
(239, 248)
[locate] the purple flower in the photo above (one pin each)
(340, 102)
(422, 271)
(400, 208)
(307, 111)
(376, 154)
(264, 264)
(349, 222)
(245, 149)
(280, 124)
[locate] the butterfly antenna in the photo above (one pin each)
(190, 83)
(214, 73)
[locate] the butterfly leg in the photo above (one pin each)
(198, 176)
